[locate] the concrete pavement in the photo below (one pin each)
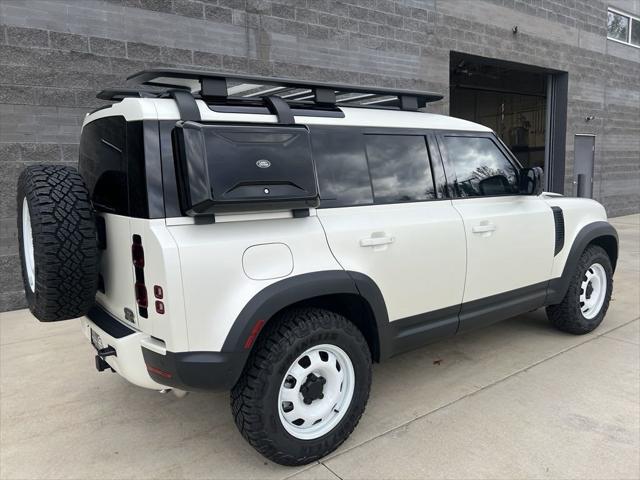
(515, 400)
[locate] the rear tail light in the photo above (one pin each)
(159, 307)
(137, 257)
(137, 252)
(141, 295)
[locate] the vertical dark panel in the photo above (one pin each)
(169, 182)
(437, 167)
(557, 131)
(138, 204)
(153, 168)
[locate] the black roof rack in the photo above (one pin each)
(231, 87)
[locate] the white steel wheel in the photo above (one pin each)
(27, 242)
(593, 291)
(316, 392)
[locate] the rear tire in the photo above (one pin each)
(58, 242)
(587, 299)
(332, 363)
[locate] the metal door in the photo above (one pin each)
(584, 151)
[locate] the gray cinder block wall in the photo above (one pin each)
(56, 54)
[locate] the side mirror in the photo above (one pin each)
(531, 181)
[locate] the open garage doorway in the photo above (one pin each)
(524, 105)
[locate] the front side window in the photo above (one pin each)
(399, 168)
(480, 167)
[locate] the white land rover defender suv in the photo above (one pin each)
(275, 237)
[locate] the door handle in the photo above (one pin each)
(484, 228)
(374, 241)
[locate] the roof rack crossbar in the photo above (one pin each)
(215, 86)
(353, 98)
(263, 92)
(377, 100)
(296, 94)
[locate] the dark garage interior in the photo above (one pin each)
(506, 97)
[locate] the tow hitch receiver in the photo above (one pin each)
(101, 363)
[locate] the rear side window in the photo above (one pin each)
(399, 168)
(481, 168)
(102, 164)
(342, 168)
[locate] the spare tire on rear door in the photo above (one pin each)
(58, 242)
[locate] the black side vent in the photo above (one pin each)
(558, 218)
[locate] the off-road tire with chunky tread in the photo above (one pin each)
(64, 242)
(254, 399)
(566, 315)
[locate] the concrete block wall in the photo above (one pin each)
(56, 54)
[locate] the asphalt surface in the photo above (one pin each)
(515, 400)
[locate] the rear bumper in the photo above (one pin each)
(195, 370)
(127, 361)
(141, 360)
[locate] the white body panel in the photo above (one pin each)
(510, 243)
(578, 212)
(162, 267)
(215, 285)
(422, 268)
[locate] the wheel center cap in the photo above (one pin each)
(589, 290)
(312, 388)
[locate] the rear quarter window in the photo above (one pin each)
(103, 165)
(399, 168)
(341, 163)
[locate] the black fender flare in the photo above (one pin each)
(558, 287)
(281, 294)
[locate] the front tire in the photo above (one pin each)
(305, 386)
(587, 299)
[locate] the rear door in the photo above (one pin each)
(385, 218)
(104, 168)
(510, 237)
(112, 164)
